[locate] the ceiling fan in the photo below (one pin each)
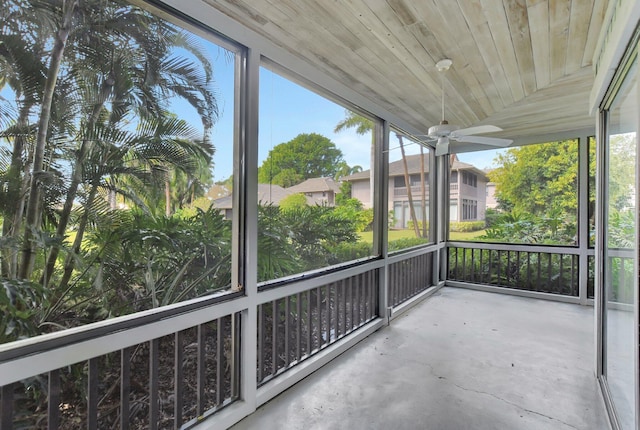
(444, 132)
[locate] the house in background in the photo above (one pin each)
(270, 194)
(322, 190)
(467, 190)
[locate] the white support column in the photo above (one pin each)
(381, 207)
(583, 217)
(601, 198)
(246, 178)
(442, 227)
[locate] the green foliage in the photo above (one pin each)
(514, 227)
(491, 216)
(293, 202)
(420, 225)
(530, 178)
(345, 193)
(621, 229)
(20, 305)
(348, 251)
(466, 226)
(276, 254)
(404, 243)
(352, 209)
(308, 155)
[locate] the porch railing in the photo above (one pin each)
(409, 277)
(157, 369)
(175, 366)
(295, 327)
(542, 269)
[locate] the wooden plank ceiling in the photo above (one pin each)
(523, 65)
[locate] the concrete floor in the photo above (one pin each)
(462, 359)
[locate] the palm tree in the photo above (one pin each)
(362, 126)
(136, 156)
(407, 182)
(129, 66)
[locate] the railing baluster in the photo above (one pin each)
(201, 366)
(539, 272)
(336, 308)
(53, 404)
(549, 275)
(153, 383)
(309, 320)
(261, 323)
(473, 265)
(574, 286)
(622, 290)
(518, 278)
(508, 280)
(234, 374)
(178, 385)
(464, 263)
(287, 305)
(125, 387)
(560, 277)
(328, 314)
(274, 336)
(220, 357)
(356, 316)
(319, 316)
(344, 285)
(92, 398)
(456, 270)
(6, 407)
(529, 283)
(481, 266)
(490, 266)
(298, 326)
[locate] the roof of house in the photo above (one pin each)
(396, 168)
(312, 185)
(267, 194)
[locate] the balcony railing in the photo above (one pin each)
(296, 327)
(153, 370)
(173, 367)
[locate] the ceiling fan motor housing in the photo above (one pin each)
(442, 130)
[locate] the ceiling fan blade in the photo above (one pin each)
(479, 129)
(442, 147)
(492, 141)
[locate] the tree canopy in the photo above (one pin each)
(308, 155)
(536, 179)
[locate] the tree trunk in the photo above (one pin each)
(12, 213)
(167, 197)
(69, 264)
(412, 210)
(76, 178)
(33, 204)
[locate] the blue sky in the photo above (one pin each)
(286, 110)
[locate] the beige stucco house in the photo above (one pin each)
(467, 190)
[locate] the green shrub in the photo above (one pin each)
(404, 243)
(347, 251)
(410, 225)
(466, 226)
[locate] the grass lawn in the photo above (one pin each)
(367, 236)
